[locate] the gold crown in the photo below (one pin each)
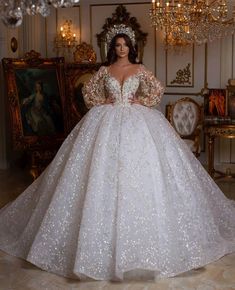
(120, 28)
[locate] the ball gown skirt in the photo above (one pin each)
(124, 195)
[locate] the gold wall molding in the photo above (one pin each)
(184, 77)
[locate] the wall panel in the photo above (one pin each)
(214, 64)
(57, 19)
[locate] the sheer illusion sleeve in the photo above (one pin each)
(150, 90)
(93, 91)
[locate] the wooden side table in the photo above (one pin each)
(217, 131)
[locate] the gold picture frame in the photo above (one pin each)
(215, 102)
(76, 75)
(230, 103)
(36, 103)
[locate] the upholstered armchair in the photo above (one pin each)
(186, 116)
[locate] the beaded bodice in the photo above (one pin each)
(121, 92)
(142, 85)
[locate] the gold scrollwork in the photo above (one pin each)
(183, 76)
(84, 53)
(228, 131)
(33, 58)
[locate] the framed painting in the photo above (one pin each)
(230, 94)
(76, 75)
(215, 102)
(36, 101)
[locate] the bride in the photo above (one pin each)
(124, 195)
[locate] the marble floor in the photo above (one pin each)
(16, 274)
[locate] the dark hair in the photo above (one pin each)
(39, 83)
(111, 55)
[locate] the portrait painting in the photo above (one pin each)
(40, 103)
(36, 103)
(215, 102)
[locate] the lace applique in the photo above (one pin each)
(143, 85)
(93, 90)
(150, 90)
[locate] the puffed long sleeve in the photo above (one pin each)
(150, 90)
(93, 91)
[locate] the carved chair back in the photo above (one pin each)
(186, 116)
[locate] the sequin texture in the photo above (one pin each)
(124, 193)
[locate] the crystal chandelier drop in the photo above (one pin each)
(12, 11)
(185, 22)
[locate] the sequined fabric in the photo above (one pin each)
(124, 195)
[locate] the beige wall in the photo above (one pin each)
(214, 64)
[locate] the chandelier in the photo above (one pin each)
(12, 11)
(65, 40)
(185, 22)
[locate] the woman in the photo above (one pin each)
(36, 112)
(124, 195)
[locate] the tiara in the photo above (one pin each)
(120, 28)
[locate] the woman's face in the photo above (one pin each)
(38, 87)
(121, 49)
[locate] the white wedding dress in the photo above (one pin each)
(123, 196)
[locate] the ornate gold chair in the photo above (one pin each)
(186, 116)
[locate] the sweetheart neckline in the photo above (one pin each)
(126, 79)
